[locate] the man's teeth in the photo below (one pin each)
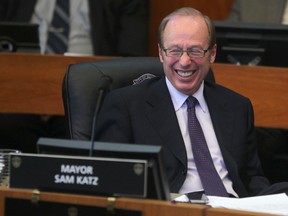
(185, 73)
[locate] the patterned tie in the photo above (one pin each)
(58, 33)
(210, 179)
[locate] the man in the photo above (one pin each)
(113, 27)
(97, 27)
(154, 112)
(259, 11)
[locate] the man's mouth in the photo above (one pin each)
(185, 73)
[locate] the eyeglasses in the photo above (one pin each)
(192, 53)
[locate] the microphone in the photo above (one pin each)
(233, 60)
(255, 61)
(104, 87)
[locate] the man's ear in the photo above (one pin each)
(160, 53)
(213, 54)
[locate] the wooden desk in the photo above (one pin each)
(267, 87)
(31, 83)
(147, 207)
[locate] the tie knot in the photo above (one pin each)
(191, 102)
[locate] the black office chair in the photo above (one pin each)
(82, 83)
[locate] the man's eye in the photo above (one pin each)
(194, 51)
(175, 51)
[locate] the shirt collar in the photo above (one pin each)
(178, 98)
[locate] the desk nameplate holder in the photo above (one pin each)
(81, 175)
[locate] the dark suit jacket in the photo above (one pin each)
(118, 27)
(144, 114)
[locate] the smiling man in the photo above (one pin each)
(155, 113)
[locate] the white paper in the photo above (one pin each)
(273, 204)
(182, 198)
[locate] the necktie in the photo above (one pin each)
(59, 31)
(210, 179)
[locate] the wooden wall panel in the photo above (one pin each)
(31, 83)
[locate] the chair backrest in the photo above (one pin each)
(82, 82)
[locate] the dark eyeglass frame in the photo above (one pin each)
(192, 53)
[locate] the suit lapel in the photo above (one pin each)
(222, 120)
(161, 112)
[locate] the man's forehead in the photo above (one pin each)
(186, 22)
(186, 26)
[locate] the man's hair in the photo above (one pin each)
(187, 11)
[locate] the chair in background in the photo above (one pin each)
(82, 82)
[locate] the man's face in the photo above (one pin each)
(186, 33)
